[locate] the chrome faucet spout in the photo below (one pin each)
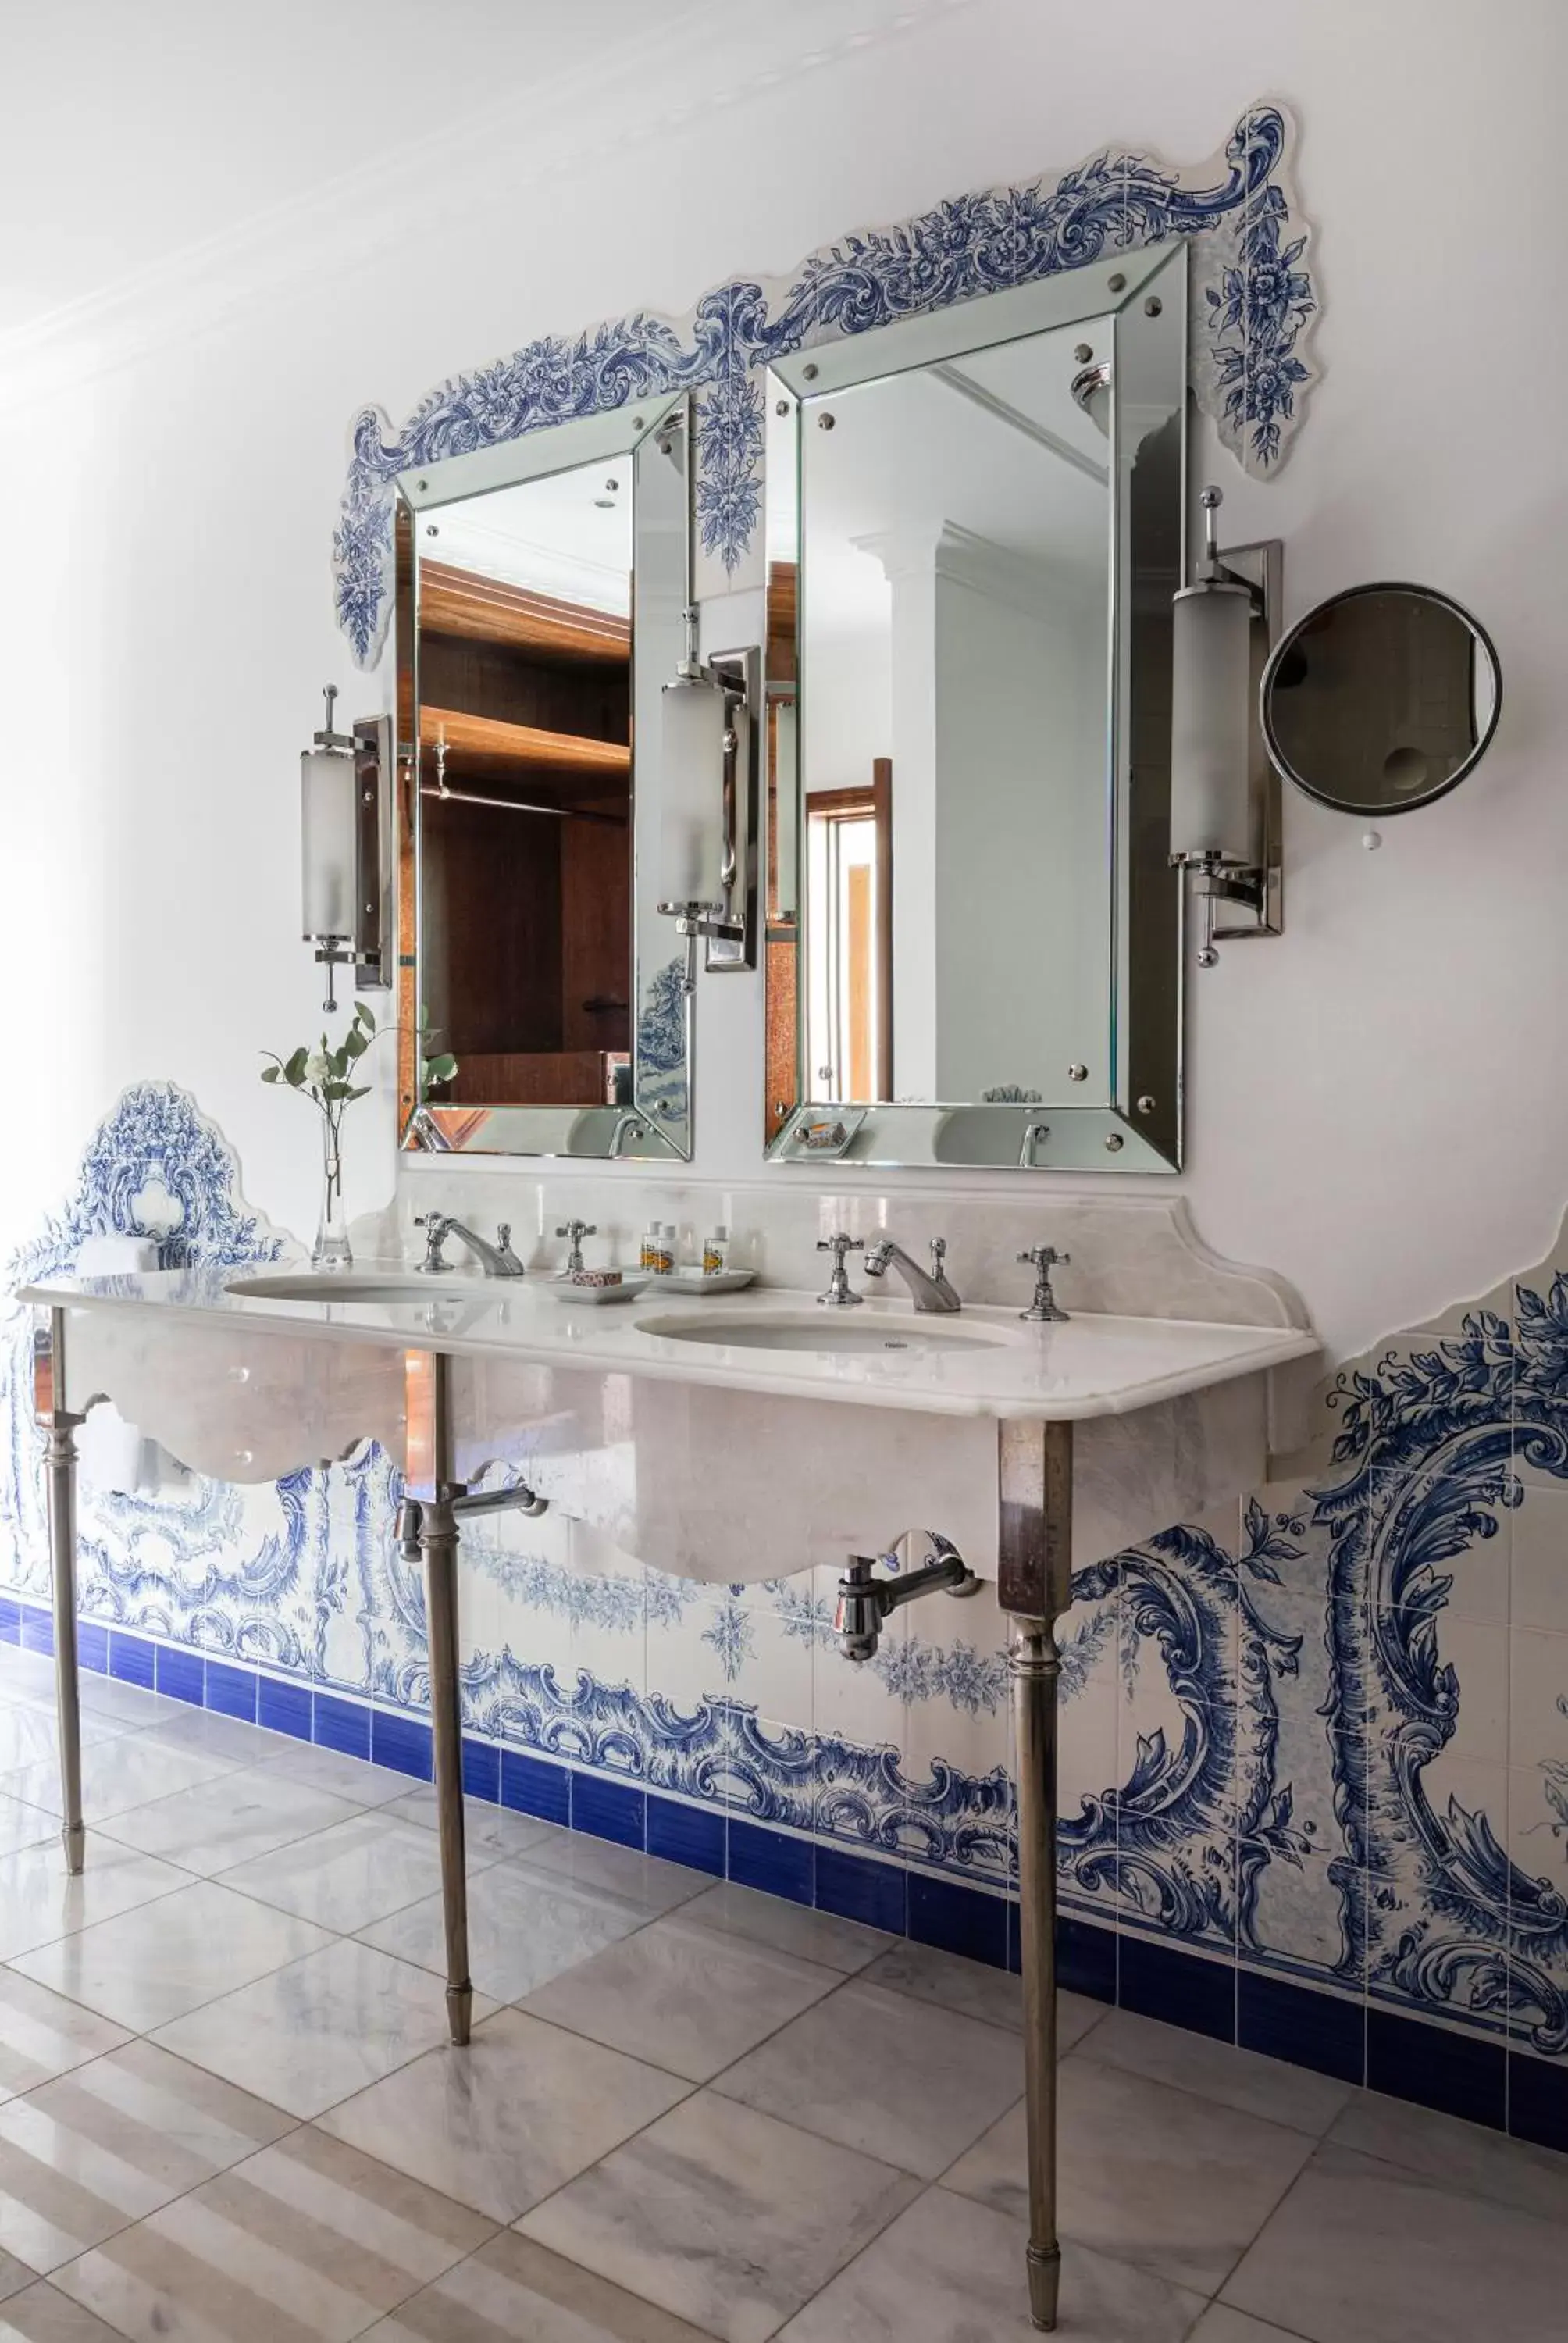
(496, 1260)
(934, 1295)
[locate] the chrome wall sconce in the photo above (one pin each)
(346, 848)
(1225, 813)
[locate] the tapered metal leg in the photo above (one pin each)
(438, 1546)
(1036, 1668)
(60, 1454)
(1034, 1586)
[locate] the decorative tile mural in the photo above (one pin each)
(1253, 299)
(1321, 1755)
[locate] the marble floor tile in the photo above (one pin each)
(211, 1733)
(43, 2315)
(23, 1825)
(1461, 2156)
(513, 2287)
(116, 1776)
(1243, 2079)
(309, 2239)
(319, 2030)
(125, 1704)
(1220, 2323)
(111, 2143)
(504, 2122)
(14, 2277)
(346, 1876)
(645, 1880)
(43, 2035)
(1363, 2252)
(684, 1995)
(494, 1828)
(214, 1826)
(843, 1945)
(952, 2271)
(354, 1778)
(900, 2080)
(524, 1928)
(40, 1901)
(150, 1965)
(722, 2216)
(1148, 2174)
(31, 1737)
(27, 1675)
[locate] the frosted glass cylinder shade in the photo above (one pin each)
(692, 795)
(1211, 724)
(328, 829)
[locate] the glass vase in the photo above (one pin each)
(331, 1248)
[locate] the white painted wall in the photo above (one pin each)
(1377, 1102)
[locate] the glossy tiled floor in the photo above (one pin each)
(228, 2109)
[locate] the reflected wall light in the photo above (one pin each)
(344, 848)
(706, 832)
(1225, 818)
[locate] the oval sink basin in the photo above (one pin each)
(337, 1286)
(832, 1337)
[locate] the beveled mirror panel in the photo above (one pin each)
(540, 592)
(975, 528)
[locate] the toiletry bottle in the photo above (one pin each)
(664, 1254)
(715, 1252)
(650, 1244)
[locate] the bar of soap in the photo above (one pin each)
(596, 1277)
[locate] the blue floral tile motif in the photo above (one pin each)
(1254, 301)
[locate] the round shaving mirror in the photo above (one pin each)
(1381, 698)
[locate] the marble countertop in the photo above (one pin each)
(995, 1365)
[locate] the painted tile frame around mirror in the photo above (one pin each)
(657, 1125)
(1127, 1116)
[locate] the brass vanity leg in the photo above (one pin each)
(1034, 1586)
(438, 1546)
(430, 1528)
(60, 1462)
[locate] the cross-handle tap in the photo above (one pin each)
(435, 1225)
(1045, 1309)
(838, 1295)
(577, 1230)
(496, 1260)
(932, 1294)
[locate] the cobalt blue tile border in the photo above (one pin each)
(402, 1743)
(341, 1725)
(482, 1770)
(612, 1810)
(1309, 2029)
(958, 1919)
(689, 1835)
(855, 1888)
(1157, 1981)
(284, 1707)
(535, 1785)
(232, 1690)
(772, 1861)
(1436, 2066)
(1537, 2101)
(1437, 2069)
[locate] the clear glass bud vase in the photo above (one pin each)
(331, 1248)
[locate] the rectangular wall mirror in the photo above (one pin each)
(975, 528)
(540, 591)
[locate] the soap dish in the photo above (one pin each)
(628, 1290)
(692, 1281)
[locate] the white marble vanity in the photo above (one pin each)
(730, 1438)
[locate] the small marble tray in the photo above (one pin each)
(626, 1291)
(692, 1281)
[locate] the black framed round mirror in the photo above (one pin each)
(1381, 698)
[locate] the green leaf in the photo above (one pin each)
(338, 1089)
(270, 1073)
(365, 1015)
(363, 1092)
(441, 1069)
(355, 1044)
(293, 1071)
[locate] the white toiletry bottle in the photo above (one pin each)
(715, 1252)
(664, 1252)
(651, 1237)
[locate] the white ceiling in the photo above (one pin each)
(137, 133)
